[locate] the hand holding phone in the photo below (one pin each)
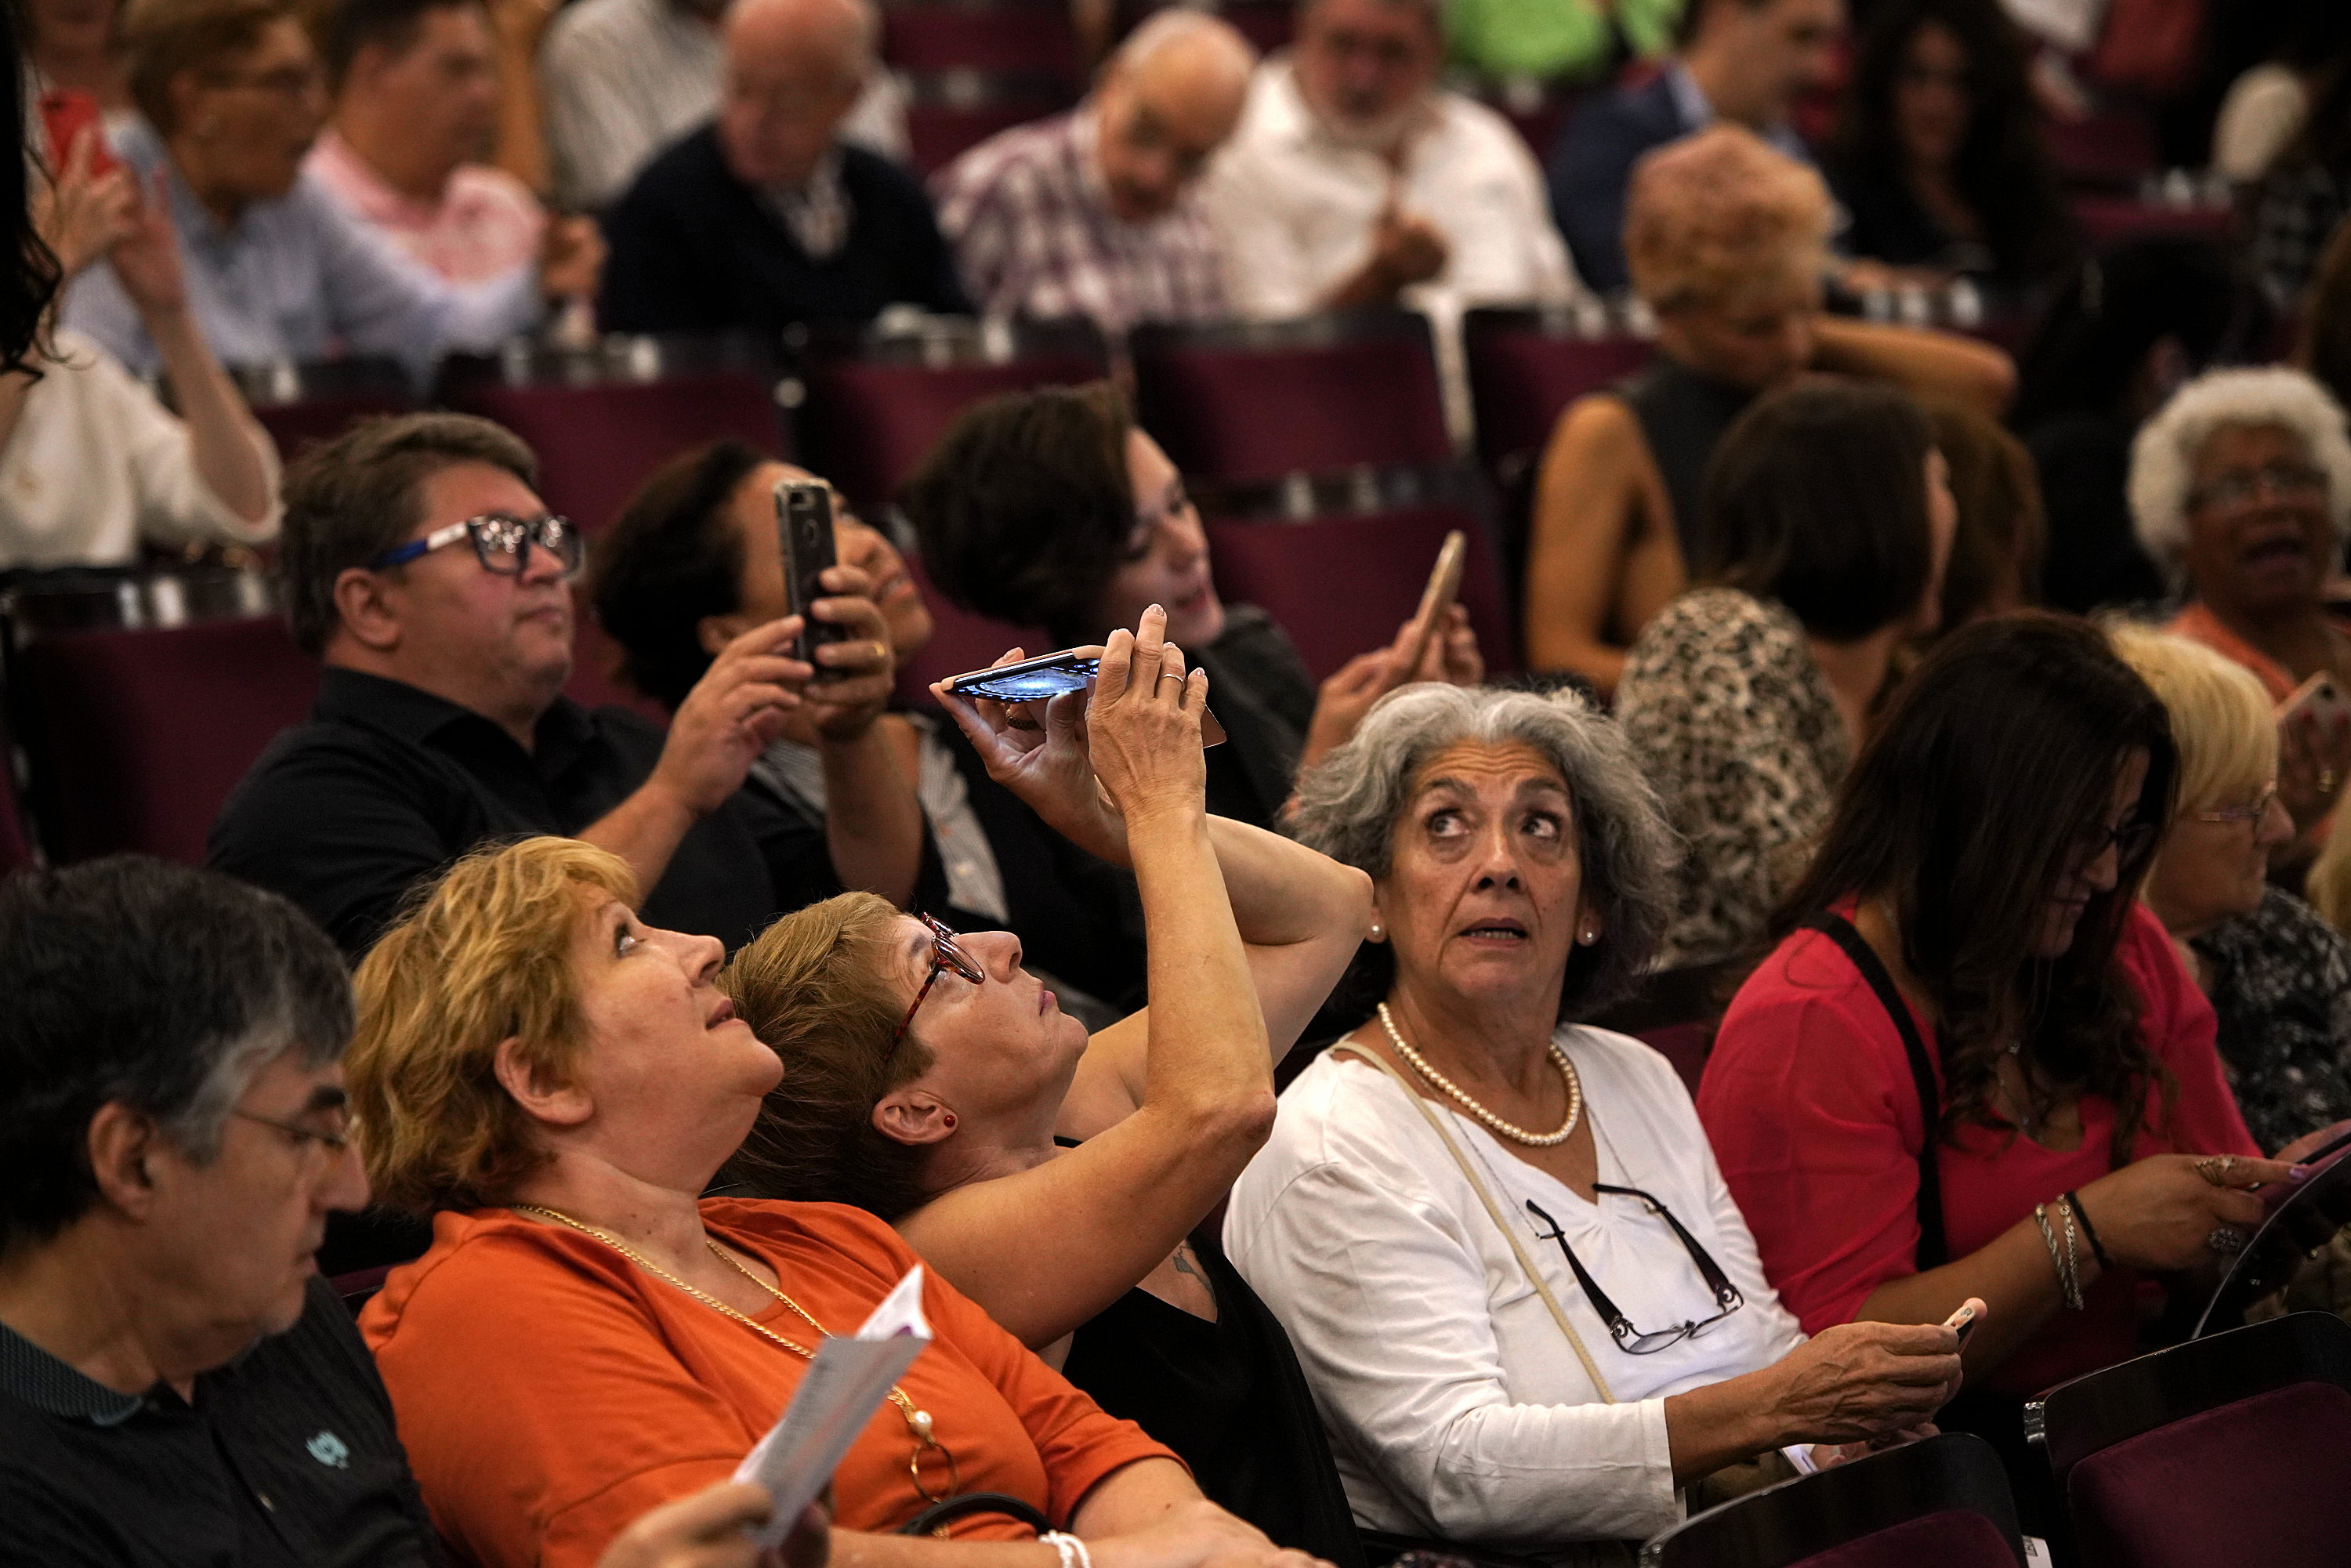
(1437, 597)
(2314, 748)
(804, 530)
(1965, 1319)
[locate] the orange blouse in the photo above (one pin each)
(548, 1390)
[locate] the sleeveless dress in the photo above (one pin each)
(1682, 415)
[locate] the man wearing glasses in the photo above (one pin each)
(420, 565)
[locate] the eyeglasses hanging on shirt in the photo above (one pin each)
(1630, 1340)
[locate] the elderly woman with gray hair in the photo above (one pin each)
(2241, 490)
(1530, 1311)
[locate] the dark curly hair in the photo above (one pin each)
(672, 559)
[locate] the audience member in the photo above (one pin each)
(1050, 508)
(231, 90)
(1974, 1064)
(176, 1381)
(2266, 107)
(2278, 976)
(2122, 334)
(1746, 61)
(560, 1083)
(91, 466)
(1464, 1213)
(75, 50)
(692, 562)
(416, 94)
(1355, 178)
(624, 78)
(2307, 193)
(1097, 213)
(1728, 244)
(1996, 553)
(765, 217)
(426, 572)
(1574, 43)
(2240, 488)
(1067, 1184)
(1938, 157)
(1829, 520)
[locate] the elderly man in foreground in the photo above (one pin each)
(1096, 213)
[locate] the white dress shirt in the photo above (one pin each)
(1293, 206)
(96, 464)
(1455, 1406)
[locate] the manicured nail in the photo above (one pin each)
(2302, 1173)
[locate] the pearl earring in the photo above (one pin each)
(1589, 936)
(1375, 932)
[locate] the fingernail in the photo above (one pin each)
(2300, 1173)
(1161, 608)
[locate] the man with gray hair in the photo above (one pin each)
(765, 218)
(1096, 213)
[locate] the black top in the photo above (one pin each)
(1888, 225)
(694, 249)
(2093, 558)
(1591, 165)
(386, 784)
(288, 1455)
(1229, 1398)
(2280, 980)
(1683, 416)
(1259, 690)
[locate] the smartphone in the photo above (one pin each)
(67, 113)
(1964, 1320)
(1051, 675)
(804, 527)
(2318, 698)
(1437, 596)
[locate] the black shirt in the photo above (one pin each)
(1683, 416)
(1259, 690)
(385, 785)
(288, 1455)
(694, 249)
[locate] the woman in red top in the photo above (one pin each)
(1984, 861)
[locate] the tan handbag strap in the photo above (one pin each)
(1493, 1212)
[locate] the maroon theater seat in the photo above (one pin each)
(2234, 1448)
(138, 736)
(603, 420)
(301, 405)
(930, 38)
(1340, 574)
(960, 640)
(1686, 1045)
(1527, 365)
(2110, 221)
(1940, 1503)
(941, 128)
(1250, 401)
(876, 402)
(2114, 149)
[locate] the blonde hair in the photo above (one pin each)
(1720, 212)
(483, 957)
(2221, 716)
(821, 986)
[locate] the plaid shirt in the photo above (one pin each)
(1035, 236)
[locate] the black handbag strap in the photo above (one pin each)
(1934, 1250)
(934, 1520)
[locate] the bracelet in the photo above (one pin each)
(2069, 1283)
(1072, 1551)
(2089, 1232)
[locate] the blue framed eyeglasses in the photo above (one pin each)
(502, 543)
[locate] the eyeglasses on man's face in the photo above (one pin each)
(1630, 1340)
(311, 1142)
(502, 543)
(947, 953)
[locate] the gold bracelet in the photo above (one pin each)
(2069, 1284)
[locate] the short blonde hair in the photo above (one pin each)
(2221, 716)
(2164, 453)
(1718, 212)
(483, 957)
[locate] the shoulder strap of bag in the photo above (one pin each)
(1934, 1250)
(1494, 1212)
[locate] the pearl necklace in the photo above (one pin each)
(1567, 1076)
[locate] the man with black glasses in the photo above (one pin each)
(420, 565)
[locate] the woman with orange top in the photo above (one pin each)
(588, 1337)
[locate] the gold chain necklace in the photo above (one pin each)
(1517, 1135)
(918, 1422)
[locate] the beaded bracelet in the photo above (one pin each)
(2089, 1232)
(1072, 1551)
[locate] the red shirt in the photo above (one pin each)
(1814, 1118)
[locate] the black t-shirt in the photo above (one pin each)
(288, 1455)
(385, 785)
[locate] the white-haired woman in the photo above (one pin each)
(2241, 490)
(2278, 976)
(1528, 1307)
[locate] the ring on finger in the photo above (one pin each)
(2215, 1169)
(2226, 1239)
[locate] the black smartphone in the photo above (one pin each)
(804, 527)
(1047, 676)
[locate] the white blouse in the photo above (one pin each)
(1455, 1406)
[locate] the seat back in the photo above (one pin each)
(1003, 38)
(960, 640)
(303, 404)
(1943, 1502)
(876, 404)
(948, 116)
(1251, 402)
(138, 736)
(601, 421)
(1526, 366)
(2230, 1449)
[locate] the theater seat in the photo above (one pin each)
(303, 404)
(1527, 365)
(960, 641)
(603, 420)
(933, 37)
(1340, 573)
(2233, 1448)
(1940, 1503)
(136, 738)
(1250, 402)
(876, 402)
(943, 121)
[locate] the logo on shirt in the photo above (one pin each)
(330, 1450)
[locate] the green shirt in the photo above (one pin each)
(1554, 38)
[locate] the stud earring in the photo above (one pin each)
(1589, 936)
(1376, 931)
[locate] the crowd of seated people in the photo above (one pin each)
(1259, 1109)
